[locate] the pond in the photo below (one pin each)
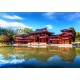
(39, 57)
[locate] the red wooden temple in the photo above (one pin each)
(21, 39)
(64, 38)
(44, 36)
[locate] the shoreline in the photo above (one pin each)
(44, 44)
(40, 44)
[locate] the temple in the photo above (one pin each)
(44, 36)
(65, 37)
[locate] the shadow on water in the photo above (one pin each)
(37, 57)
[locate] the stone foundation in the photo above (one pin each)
(62, 45)
(44, 44)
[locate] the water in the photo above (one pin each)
(39, 57)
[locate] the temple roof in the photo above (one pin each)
(41, 30)
(22, 35)
(54, 35)
(66, 30)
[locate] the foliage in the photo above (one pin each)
(74, 34)
(23, 31)
(78, 36)
(27, 30)
(6, 34)
(4, 38)
(9, 34)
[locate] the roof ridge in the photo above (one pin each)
(41, 28)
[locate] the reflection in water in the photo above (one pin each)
(38, 56)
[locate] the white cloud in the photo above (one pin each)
(11, 17)
(14, 25)
(49, 26)
(73, 16)
(14, 61)
(50, 15)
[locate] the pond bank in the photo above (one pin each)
(44, 44)
(40, 44)
(5, 45)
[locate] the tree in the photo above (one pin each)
(26, 30)
(77, 36)
(4, 38)
(23, 31)
(6, 32)
(74, 34)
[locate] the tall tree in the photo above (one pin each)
(74, 34)
(23, 31)
(26, 30)
(6, 32)
(78, 36)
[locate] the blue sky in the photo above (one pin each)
(54, 21)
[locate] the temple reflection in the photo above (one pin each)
(42, 54)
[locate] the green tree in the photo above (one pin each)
(4, 38)
(74, 34)
(77, 36)
(26, 30)
(23, 31)
(7, 32)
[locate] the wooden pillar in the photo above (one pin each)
(62, 41)
(42, 39)
(45, 39)
(69, 41)
(39, 39)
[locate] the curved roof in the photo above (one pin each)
(67, 33)
(41, 30)
(66, 30)
(22, 35)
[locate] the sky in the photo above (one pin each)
(54, 21)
